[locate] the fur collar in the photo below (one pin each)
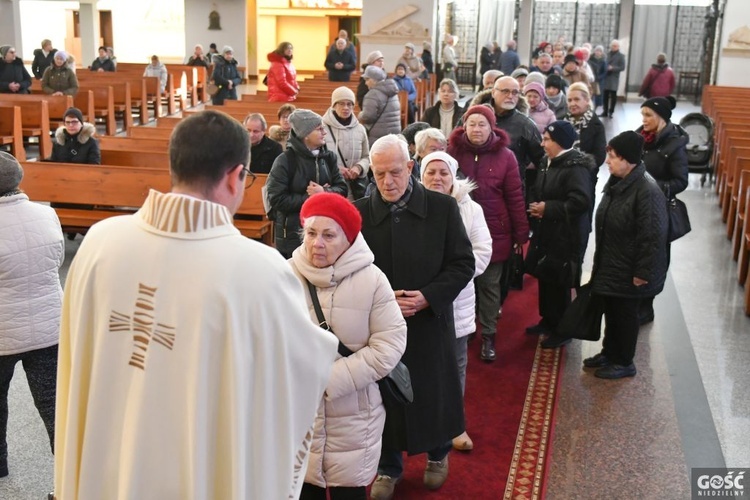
(87, 132)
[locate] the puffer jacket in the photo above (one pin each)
(631, 237)
(666, 158)
(381, 111)
(287, 183)
(525, 139)
(349, 141)
(658, 82)
(563, 184)
(542, 116)
(492, 166)
(79, 148)
(282, 79)
(32, 250)
(59, 79)
(464, 310)
(14, 72)
(224, 72)
(359, 306)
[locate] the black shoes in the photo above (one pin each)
(603, 115)
(615, 371)
(597, 361)
(553, 342)
(488, 350)
(538, 329)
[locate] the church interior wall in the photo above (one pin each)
(733, 69)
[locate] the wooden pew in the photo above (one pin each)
(132, 144)
(11, 132)
(104, 105)
(34, 119)
(146, 159)
(119, 190)
(150, 133)
(740, 220)
(144, 91)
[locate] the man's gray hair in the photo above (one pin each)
(420, 140)
(388, 143)
(544, 55)
(256, 116)
(493, 74)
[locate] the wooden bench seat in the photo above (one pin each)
(11, 132)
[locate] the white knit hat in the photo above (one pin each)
(342, 94)
(375, 73)
(374, 56)
(439, 156)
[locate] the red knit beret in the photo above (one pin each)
(337, 208)
(481, 109)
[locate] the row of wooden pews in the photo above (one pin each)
(130, 168)
(732, 166)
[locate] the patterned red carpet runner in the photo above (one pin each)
(509, 413)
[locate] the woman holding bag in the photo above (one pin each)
(665, 157)
(359, 306)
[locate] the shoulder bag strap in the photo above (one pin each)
(343, 350)
(338, 149)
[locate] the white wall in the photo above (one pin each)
(51, 25)
(733, 70)
(373, 11)
(233, 26)
(10, 27)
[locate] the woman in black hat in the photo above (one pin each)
(630, 258)
(74, 142)
(665, 157)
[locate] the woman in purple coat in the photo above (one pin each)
(481, 150)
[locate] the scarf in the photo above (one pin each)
(345, 122)
(402, 202)
(555, 100)
(580, 122)
(648, 137)
(12, 192)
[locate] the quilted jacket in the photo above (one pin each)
(32, 250)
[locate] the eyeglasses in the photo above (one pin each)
(513, 92)
(71, 122)
(248, 175)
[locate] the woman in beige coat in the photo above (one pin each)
(361, 310)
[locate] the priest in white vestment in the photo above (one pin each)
(188, 366)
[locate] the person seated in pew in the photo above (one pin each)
(74, 141)
(197, 58)
(14, 79)
(59, 79)
(103, 62)
(280, 132)
(263, 151)
(157, 68)
(212, 50)
(43, 59)
(111, 55)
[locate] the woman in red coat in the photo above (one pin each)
(483, 156)
(282, 77)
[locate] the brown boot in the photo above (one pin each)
(436, 473)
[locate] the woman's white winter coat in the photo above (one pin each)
(360, 307)
(464, 309)
(349, 141)
(32, 249)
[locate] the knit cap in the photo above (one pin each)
(483, 110)
(662, 106)
(342, 94)
(409, 46)
(563, 133)
(536, 87)
(555, 81)
(410, 132)
(537, 77)
(628, 145)
(375, 73)
(11, 173)
(304, 122)
(73, 112)
(374, 56)
(336, 207)
(519, 72)
(226, 49)
(439, 156)
(4, 50)
(570, 58)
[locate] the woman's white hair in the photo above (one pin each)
(420, 140)
(390, 142)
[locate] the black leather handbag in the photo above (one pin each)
(395, 388)
(679, 222)
(583, 317)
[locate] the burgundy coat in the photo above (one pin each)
(658, 82)
(499, 192)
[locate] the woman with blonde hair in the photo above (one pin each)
(354, 299)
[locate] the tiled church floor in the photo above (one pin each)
(636, 438)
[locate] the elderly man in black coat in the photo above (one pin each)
(263, 151)
(420, 244)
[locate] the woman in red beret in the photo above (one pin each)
(483, 156)
(357, 301)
